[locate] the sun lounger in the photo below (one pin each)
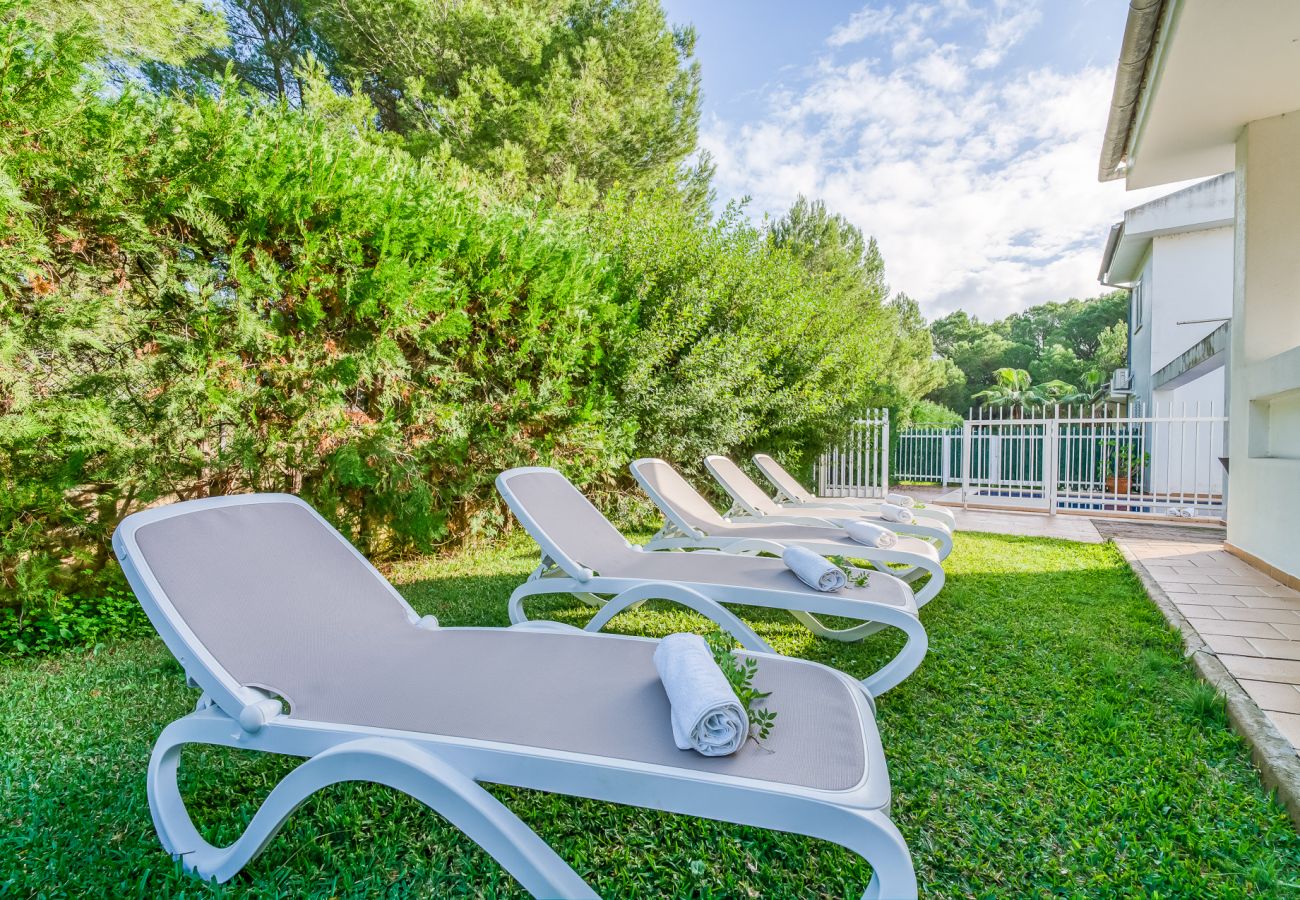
(791, 495)
(691, 523)
(300, 647)
(749, 501)
(584, 555)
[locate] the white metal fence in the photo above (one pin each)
(859, 467)
(1097, 460)
(927, 454)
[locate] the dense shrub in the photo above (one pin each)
(214, 292)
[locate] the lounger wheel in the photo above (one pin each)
(394, 763)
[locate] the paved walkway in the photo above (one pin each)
(1070, 528)
(1248, 620)
(1066, 527)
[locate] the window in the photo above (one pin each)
(1136, 307)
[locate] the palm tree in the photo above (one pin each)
(1011, 388)
(1092, 392)
(1014, 389)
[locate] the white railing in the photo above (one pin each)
(923, 453)
(859, 466)
(1098, 460)
(1095, 460)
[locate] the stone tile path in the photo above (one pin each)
(1248, 620)
(1070, 528)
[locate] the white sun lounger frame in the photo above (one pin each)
(560, 573)
(679, 534)
(444, 772)
(743, 510)
(779, 478)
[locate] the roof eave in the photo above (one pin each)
(1136, 53)
(1108, 256)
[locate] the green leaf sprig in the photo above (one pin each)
(856, 576)
(740, 675)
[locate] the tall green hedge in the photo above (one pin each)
(217, 293)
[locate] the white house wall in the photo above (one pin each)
(1264, 375)
(1140, 328)
(1193, 280)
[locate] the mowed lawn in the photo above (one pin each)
(1053, 744)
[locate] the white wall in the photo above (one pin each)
(1192, 275)
(1264, 373)
(1193, 280)
(1139, 329)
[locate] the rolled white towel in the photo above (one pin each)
(899, 514)
(818, 572)
(900, 500)
(705, 714)
(871, 534)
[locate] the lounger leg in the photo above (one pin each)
(710, 609)
(866, 832)
(847, 635)
(547, 586)
(905, 662)
(394, 763)
(933, 586)
(892, 873)
(894, 671)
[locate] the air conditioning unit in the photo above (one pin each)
(1122, 381)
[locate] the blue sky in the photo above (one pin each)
(962, 134)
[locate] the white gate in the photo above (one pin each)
(1097, 461)
(858, 467)
(1005, 459)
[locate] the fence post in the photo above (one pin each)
(1051, 451)
(884, 457)
(945, 458)
(965, 460)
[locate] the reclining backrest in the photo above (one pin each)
(776, 473)
(748, 495)
(564, 523)
(680, 503)
(253, 590)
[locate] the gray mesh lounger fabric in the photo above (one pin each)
(744, 487)
(777, 474)
(581, 531)
(282, 603)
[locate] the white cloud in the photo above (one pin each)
(980, 187)
(862, 24)
(1010, 22)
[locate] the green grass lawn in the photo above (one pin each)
(1053, 744)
